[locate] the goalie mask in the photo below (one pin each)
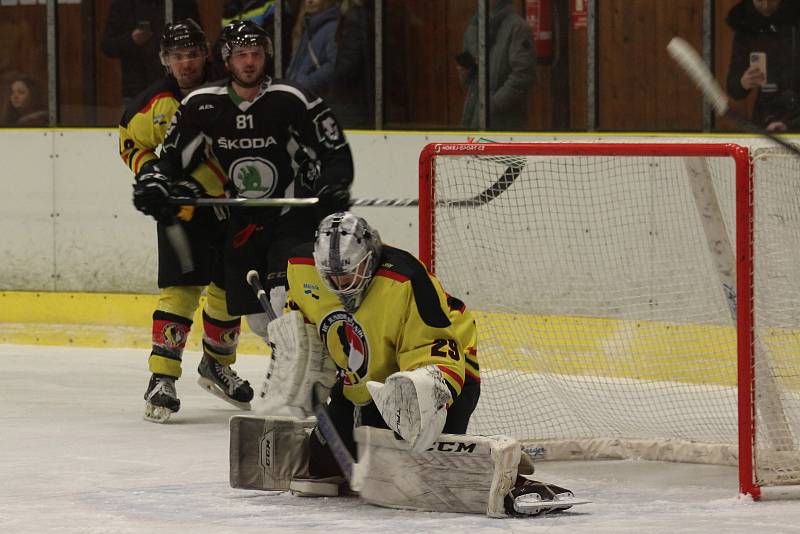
(347, 253)
(181, 34)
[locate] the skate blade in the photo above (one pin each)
(156, 414)
(532, 505)
(214, 389)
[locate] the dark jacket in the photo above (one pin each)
(512, 69)
(777, 37)
(140, 64)
(351, 89)
(315, 57)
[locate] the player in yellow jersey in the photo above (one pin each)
(388, 326)
(370, 322)
(184, 53)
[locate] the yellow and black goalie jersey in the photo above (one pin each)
(405, 321)
(144, 126)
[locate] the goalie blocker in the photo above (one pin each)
(458, 473)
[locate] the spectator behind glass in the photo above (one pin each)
(313, 62)
(25, 105)
(350, 91)
(131, 35)
(512, 69)
(764, 58)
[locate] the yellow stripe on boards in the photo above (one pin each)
(613, 348)
(93, 320)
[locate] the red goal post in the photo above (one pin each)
(619, 276)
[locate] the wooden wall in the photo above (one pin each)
(639, 88)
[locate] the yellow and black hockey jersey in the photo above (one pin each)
(405, 321)
(144, 125)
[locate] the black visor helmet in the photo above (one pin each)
(184, 33)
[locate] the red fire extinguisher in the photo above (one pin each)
(539, 14)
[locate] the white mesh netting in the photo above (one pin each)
(604, 328)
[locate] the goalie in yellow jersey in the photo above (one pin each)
(399, 354)
(388, 325)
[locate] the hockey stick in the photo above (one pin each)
(340, 452)
(245, 202)
(505, 180)
(692, 64)
(179, 242)
(289, 202)
(255, 282)
(324, 423)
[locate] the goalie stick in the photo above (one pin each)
(324, 423)
(255, 282)
(695, 68)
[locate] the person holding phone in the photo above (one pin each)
(765, 58)
(131, 35)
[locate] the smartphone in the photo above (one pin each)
(144, 25)
(759, 59)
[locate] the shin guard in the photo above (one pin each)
(220, 338)
(170, 333)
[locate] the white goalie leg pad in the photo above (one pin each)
(458, 473)
(299, 363)
(267, 452)
(413, 404)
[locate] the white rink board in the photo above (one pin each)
(102, 243)
(26, 208)
(96, 241)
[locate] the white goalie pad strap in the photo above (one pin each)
(413, 404)
(458, 473)
(267, 452)
(299, 362)
(258, 323)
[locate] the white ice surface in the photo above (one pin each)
(76, 456)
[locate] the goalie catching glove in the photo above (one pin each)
(413, 404)
(301, 369)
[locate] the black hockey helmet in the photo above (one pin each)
(182, 34)
(244, 33)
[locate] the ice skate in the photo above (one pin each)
(531, 498)
(162, 399)
(223, 382)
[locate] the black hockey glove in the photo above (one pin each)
(150, 193)
(332, 199)
(184, 189)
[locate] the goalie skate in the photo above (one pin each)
(161, 399)
(532, 497)
(223, 382)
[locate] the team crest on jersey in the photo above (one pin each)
(349, 343)
(328, 132)
(254, 177)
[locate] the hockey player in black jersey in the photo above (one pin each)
(144, 124)
(273, 139)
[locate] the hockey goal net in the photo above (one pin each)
(633, 300)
